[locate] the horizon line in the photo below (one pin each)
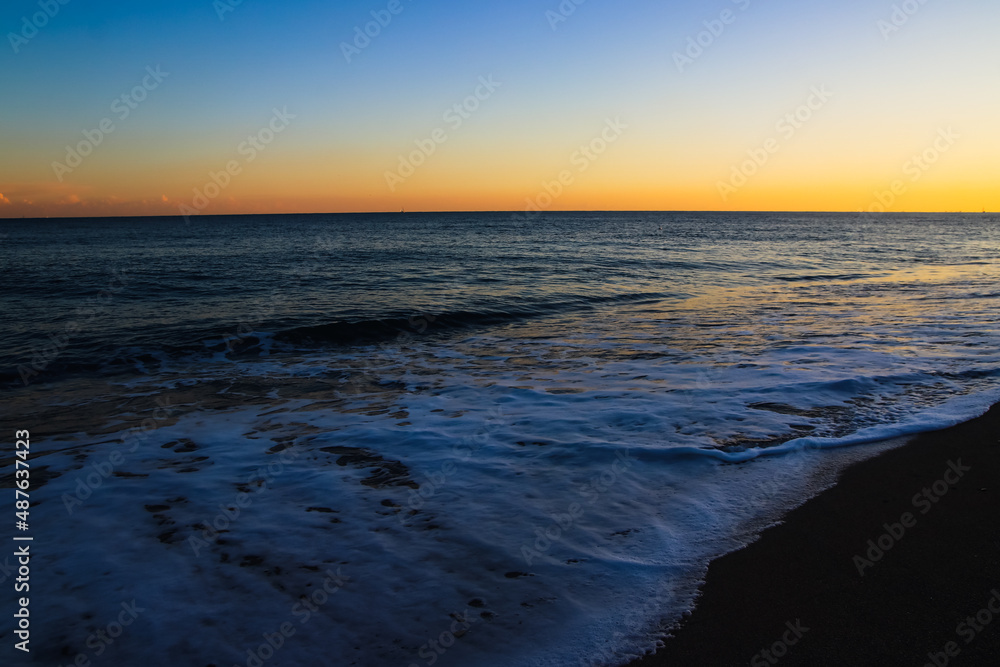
(517, 212)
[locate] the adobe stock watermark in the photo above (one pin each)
(714, 28)
(787, 126)
(968, 629)
(88, 482)
(250, 148)
(223, 7)
(648, 605)
(436, 647)
(435, 481)
(302, 611)
(247, 327)
(790, 471)
(582, 158)
(229, 513)
(563, 523)
(363, 35)
(455, 116)
(915, 168)
(7, 570)
(779, 649)
(31, 25)
(122, 107)
(562, 13)
(923, 501)
(900, 16)
(58, 342)
(388, 350)
(99, 641)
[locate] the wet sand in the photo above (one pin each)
(891, 566)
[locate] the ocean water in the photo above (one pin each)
(454, 439)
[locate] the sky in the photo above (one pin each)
(187, 107)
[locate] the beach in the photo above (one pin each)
(522, 334)
(809, 592)
(532, 437)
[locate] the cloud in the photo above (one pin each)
(164, 199)
(3, 199)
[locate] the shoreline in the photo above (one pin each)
(891, 565)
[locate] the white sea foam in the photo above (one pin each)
(573, 482)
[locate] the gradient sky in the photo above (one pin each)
(683, 133)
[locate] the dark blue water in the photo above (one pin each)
(108, 293)
(553, 424)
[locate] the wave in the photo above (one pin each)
(826, 277)
(945, 415)
(357, 332)
(226, 340)
(374, 331)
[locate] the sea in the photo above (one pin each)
(451, 439)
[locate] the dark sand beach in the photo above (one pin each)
(915, 605)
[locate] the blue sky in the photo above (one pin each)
(560, 81)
